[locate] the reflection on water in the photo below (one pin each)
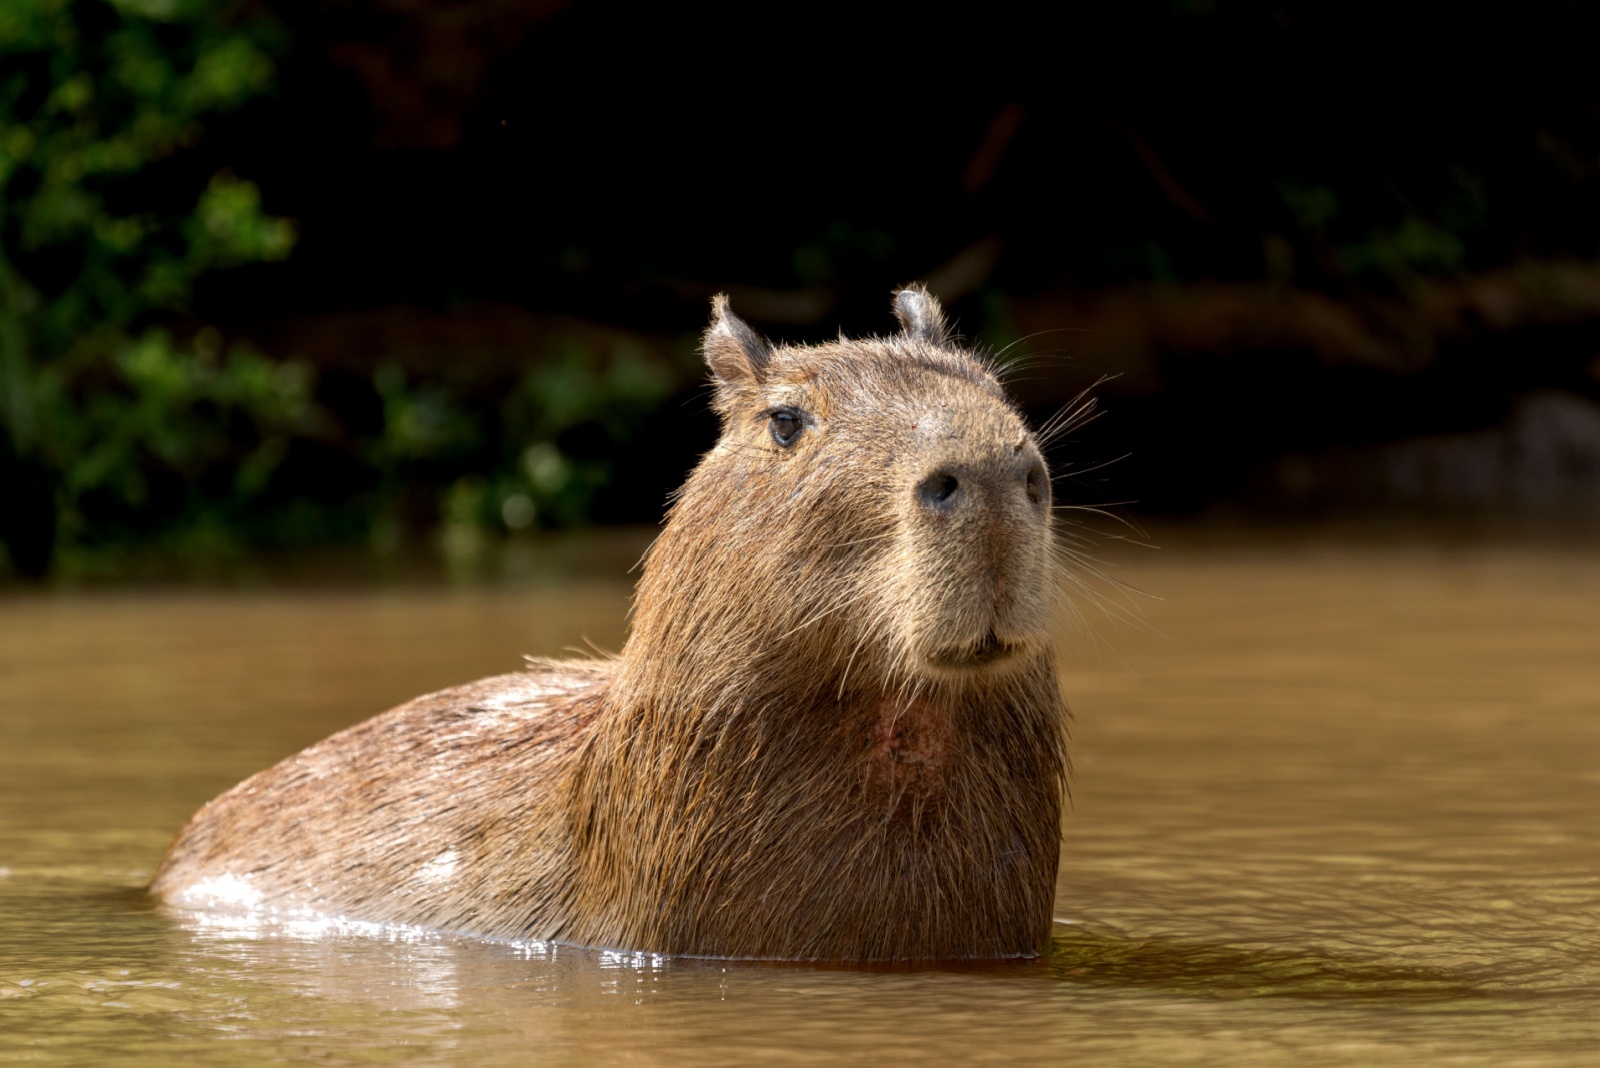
(1332, 805)
(1115, 961)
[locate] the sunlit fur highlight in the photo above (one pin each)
(801, 751)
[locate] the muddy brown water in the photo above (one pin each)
(1335, 802)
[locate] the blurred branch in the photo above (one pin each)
(980, 169)
(1169, 185)
(1131, 331)
(966, 271)
(423, 63)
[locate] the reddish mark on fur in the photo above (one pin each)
(908, 740)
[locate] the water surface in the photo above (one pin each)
(1334, 803)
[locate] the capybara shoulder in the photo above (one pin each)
(834, 732)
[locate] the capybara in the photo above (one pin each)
(834, 732)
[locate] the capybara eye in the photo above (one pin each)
(785, 427)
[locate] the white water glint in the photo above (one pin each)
(227, 892)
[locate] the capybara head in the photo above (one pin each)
(836, 731)
(874, 507)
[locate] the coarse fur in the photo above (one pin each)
(834, 733)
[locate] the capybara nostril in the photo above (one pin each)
(1038, 484)
(939, 491)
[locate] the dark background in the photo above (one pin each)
(620, 162)
(1331, 256)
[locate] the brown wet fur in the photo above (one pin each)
(834, 733)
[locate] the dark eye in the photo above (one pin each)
(785, 427)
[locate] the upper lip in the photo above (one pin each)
(990, 650)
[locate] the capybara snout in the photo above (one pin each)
(978, 531)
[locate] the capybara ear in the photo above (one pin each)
(920, 315)
(736, 354)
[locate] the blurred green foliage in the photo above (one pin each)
(1385, 256)
(568, 391)
(105, 223)
(493, 461)
(124, 422)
